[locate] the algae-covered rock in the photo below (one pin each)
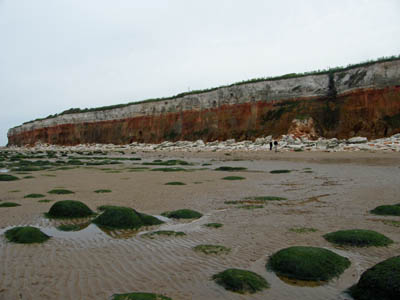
(26, 235)
(118, 217)
(387, 210)
(241, 281)
(382, 282)
(307, 263)
(69, 209)
(7, 177)
(358, 238)
(182, 214)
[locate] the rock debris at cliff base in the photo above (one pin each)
(286, 143)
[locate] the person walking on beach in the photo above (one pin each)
(270, 146)
(276, 146)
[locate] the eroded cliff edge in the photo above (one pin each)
(360, 101)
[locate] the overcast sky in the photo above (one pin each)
(58, 54)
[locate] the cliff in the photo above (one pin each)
(361, 101)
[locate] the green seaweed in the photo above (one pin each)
(7, 177)
(60, 192)
(213, 225)
(230, 169)
(358, 238)
(9, 204)
(233, 178)
(139, 296)
(34, 196)
(102, 191)
(69, 209)
(212, 249)
(280, 171)
(119, 217)
(382, 282)
(182, 214)
(164, 233)
(26, 235)
(387, 210)
(241, 281)
(307, 263)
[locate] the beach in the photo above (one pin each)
(324, 192)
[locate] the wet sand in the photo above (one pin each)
(336, 193)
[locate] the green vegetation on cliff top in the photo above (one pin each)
(194, 92)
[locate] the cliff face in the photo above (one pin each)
(361, 101)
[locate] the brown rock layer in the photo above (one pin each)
(368, 112)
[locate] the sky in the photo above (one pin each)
(59, 54)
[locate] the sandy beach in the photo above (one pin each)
(325, 192)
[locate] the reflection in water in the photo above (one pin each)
(4, 170)
(120, 233)
(301, 283)
(86, 229)
(73, 227)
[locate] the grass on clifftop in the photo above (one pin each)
(382, 282)
(119, 217)
(6, 177)
(241, 281)
(307, 263)
(69, 209)
(358, 238)
(182, 214)
(26, 235)
(254, 80)
(139, 296)
(387, 210)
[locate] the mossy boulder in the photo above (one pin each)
(387, 210)
(26, 235)
(139, 296)
(382, 282)
(358, 238)
(241, 281)
(182, 214)
(69, 209)
(119, 217)
(307, 263)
